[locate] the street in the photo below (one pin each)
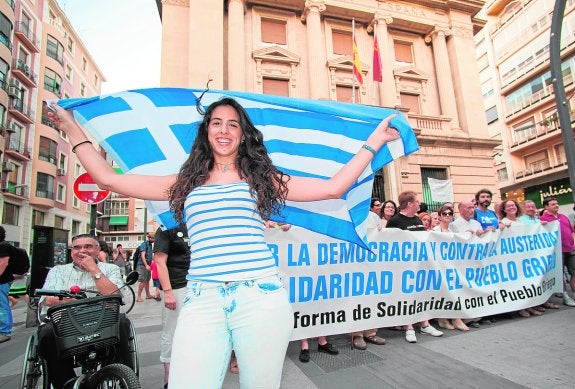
(513, 352)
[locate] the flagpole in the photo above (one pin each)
(373, 83)
(353, 58)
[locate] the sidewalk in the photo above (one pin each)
(536, 352)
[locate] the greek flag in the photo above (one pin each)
(151, 131)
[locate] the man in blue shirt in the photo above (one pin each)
(486, 217)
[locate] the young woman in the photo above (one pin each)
(388, 210)
(445, 218)
(223, 192)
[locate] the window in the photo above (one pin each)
(61, 193)
(524, 130)
(491, 115)
(47, 150)
(95, 80)
(52, 81)
(537, 161)
(63, 162)
(487, 89)
(560, 153)
(438, 174)
(482, 62)
(54, 49)
(75, 202)
(84, 63)
(411, 102)
(342, 44)
(274, 31)
(25, 24)
(68, 73)
(38, 218)
(502, 174)
(58, 221)
(275, 87)
(45, 186)
(403, 52)
(75, 227)
(5, 31)
(77, 170)
(344, 94)
(11, 214)
(82, 89)
(70, 44)
(2, 112)
(3, 73)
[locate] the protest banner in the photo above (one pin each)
(338, 287)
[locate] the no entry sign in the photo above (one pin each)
(87, 190)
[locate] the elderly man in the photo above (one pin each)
(406, 219)
(465, 221)
(88, 273)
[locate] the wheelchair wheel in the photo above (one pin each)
(133, 347)
(34, 372)
(114, 376)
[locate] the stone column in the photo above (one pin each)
(318, 84)
(236, 60)
(387, 90)
(175, 45)
(443, 74)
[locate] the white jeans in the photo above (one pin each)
(253, 317)
(169, 321)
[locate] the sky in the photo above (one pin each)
(123, 37)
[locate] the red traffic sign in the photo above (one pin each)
(87, 190)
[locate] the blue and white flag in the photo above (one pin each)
(151, 131)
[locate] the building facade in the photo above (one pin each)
(513, 53)
(303, 49)
(41, 58)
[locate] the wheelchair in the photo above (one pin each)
(88, 331)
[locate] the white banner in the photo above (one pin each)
(338, 287)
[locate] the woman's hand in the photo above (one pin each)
(383, 133)
(64, 121)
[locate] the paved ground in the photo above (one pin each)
(514, 352)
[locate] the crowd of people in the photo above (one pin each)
(220, 282)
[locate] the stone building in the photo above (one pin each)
(303, 49)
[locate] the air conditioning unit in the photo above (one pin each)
(11, 126)
(61, 172)
(14, 88)
(7, 167)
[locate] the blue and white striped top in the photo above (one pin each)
(226, 235)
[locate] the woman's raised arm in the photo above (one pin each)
(311, 189)
(132, 185)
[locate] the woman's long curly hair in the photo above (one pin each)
(268, 185)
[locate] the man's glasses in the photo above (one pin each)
(446, 213)
(83, 246)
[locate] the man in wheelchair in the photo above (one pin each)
(88, 273)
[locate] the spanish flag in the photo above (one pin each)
(356, 63)
(376, 61)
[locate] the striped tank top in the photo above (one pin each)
(226, 235)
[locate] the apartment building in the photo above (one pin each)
(513, 54)
(41, 58)
(303, 49)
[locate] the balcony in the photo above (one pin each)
(5, 41)
(14, 190)
(17, 149)
(536, 169)
(21, 111)
(23, 72)
(539, 131)
(27, 37)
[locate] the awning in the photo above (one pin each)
(118, 220)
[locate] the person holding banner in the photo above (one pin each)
(223, 192)
(446, 217)
(406, 219)
(567, 243)
(510, 214)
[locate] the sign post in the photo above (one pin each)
(87, 191)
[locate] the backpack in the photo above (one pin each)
(137, 256)
(19, 262)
